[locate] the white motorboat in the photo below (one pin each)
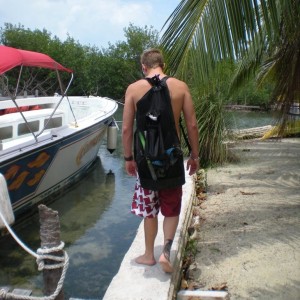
(48, 143)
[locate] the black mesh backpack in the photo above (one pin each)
(157, 149)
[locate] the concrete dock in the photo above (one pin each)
(140, 282)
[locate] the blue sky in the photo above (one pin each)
(90, 22)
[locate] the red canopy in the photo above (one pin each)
(12, 57)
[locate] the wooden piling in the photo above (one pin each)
(50, 237)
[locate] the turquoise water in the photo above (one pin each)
(96, 226)
(249, 119)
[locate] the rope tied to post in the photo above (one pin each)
(43, 254)
(50, 227)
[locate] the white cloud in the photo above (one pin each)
(94, 22)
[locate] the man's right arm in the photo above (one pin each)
(127, 131)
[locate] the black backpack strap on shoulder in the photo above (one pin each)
(185, 135)
(156, 81)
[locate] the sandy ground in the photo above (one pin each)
(249, 240)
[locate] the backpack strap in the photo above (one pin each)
(156, 81)
(157, 84)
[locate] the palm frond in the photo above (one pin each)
(263, 35)
(216, 29)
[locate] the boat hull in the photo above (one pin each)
(40, 171)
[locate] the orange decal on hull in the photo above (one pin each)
(88, 146)
(18, 182)
(37, 178)
(39, 161)
(11, 172)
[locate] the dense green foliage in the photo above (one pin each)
(262, 37)
(102, 72)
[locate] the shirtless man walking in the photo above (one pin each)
(168, 201)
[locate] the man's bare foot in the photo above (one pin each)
(145, 260)
(164, 259)
(165, 264)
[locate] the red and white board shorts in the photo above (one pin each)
(147, 203)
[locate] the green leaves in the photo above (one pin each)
(105, 72)
(215, 30)
(263, 36)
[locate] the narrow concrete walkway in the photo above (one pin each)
(139, 282)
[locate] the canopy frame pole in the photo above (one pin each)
(64, 93)
(14, 97)
(5, 86)
(60, 83)
(39, 60)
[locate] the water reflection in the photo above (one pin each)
(88, 201)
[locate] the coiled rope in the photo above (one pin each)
(41, 255)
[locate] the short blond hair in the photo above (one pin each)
(152, 58)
